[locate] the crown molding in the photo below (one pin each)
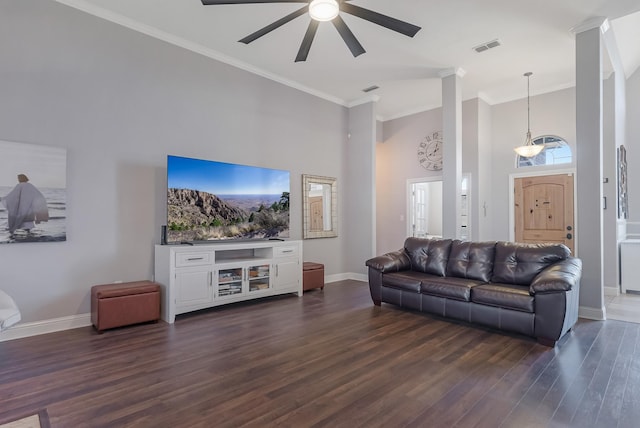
(371, 98)
(555, 88)
(484, 97)
(194, 47)
(415, 110)
(598, 22)
(457, 71)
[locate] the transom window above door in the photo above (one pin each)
(556, 152)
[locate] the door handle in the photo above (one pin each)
(569, 236)
(569, 228)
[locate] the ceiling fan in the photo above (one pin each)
(324, 10)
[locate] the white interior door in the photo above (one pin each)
(424, 208)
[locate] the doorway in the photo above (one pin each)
(424, 197)
(424, 208)
(543, 209)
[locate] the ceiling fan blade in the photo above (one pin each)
(352, 43)
(280, 22)
(380, 19)
(214, 2)
(306, 42)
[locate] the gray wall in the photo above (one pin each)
(396, 162)
(489, 135)
(552, 113)
(120, 102)
(498, 129)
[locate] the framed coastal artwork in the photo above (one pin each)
(33, 194)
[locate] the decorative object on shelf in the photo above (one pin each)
(319, 207)
(324, 10)
(529, 149)
(623, 197)
(430, 151)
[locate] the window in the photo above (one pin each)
(556, 151)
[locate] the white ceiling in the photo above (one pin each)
(535, 35)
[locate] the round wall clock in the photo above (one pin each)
(430, 151)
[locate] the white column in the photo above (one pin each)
(589, 137)
(360, 185)
(452, 150)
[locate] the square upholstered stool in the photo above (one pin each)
(312, 275)
(117, 305)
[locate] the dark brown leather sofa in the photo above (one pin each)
(531, 289)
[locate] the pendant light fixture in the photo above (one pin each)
(324, 10)
(528, 149)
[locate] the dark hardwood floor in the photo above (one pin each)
(328, 359)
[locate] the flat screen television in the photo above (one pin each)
(218, 201)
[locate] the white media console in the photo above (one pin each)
(201, 276)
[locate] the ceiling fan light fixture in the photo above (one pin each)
(323, 10)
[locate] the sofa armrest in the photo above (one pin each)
(561, 276)
(390, 262)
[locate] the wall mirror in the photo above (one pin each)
(319, 207)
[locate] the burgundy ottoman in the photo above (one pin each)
(117, 305)
(312, 275)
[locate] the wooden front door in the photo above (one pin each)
(544, 209)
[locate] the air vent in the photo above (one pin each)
(486, 46)
(371, 88)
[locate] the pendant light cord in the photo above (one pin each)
(528, 74)
(528, 106)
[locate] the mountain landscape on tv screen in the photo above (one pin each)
(194, 215)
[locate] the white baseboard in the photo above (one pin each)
(592, 313)
(28, 329)
(612, 291)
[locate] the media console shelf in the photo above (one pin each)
(203, 276)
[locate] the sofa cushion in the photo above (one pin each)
(428, 255)
(391, 262)
(404, 280)
(508, 296)
(449, 287)
(518, 263)
(471, 260)
(561, 276)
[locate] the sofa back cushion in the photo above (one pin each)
(428, 255)
(518, 263)
(471, 260)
